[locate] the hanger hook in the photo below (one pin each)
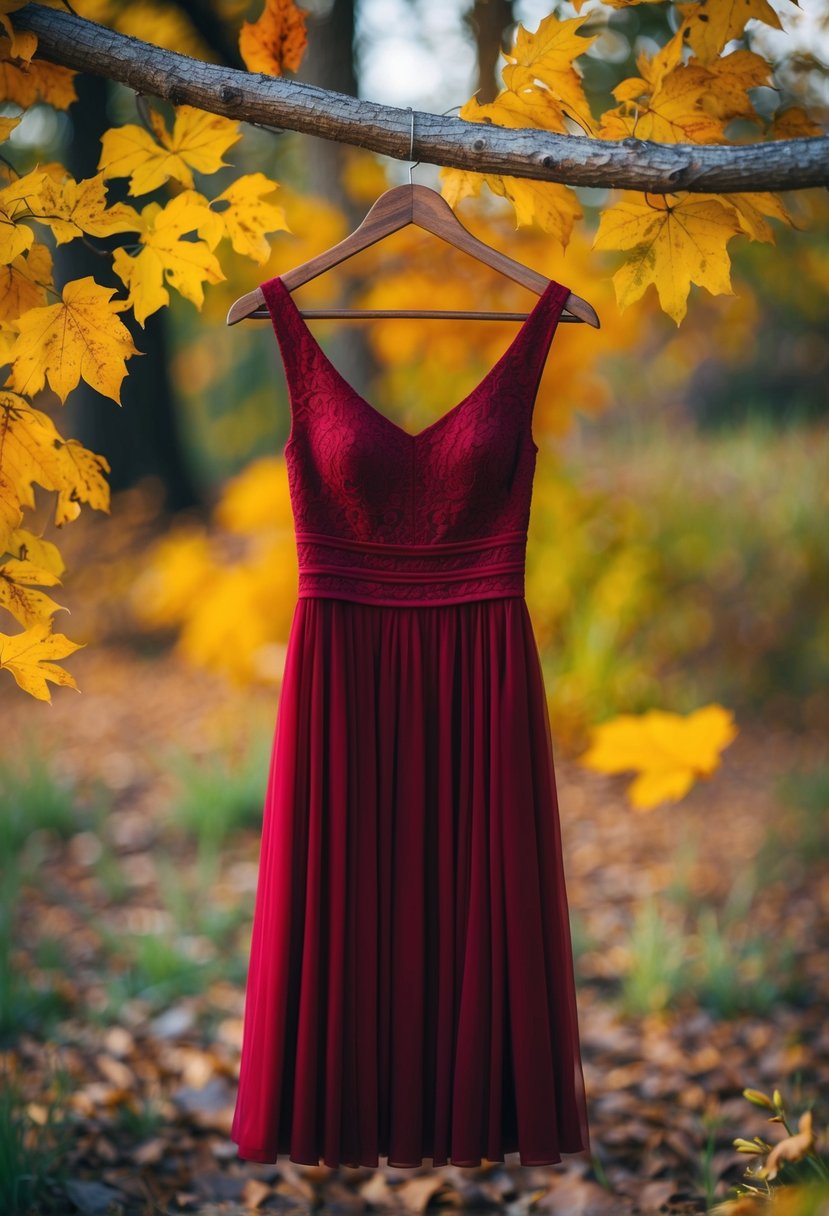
(411, 148)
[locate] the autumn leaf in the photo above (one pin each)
(198, 141)
(28, 454)
(552, 206)
(546, 57)
(23, 42)
(15, 206)
(794, 123)
(793, 1148)
(28, 606)
(33, 451)
(752, 210)
(82, 337)
(669, 750)
(82, 480)
(25, 545)
(728, 81)
(167, 256)
(37, 80)
(246, 217)
(23, 282)
(27, 655)
(276, 41)
(709, 24)
(665, 103)
(70, 208)
(670, 241)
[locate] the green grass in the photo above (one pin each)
(707, 957)
(218, 797)
(30, 1151)
(33, 800)
(152, 968)
(658, 965)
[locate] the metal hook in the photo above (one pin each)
(411, 139)
(411, 148)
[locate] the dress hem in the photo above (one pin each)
(263, 1156)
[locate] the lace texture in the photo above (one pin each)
(383, 516)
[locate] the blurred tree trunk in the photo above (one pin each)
(489, 21)
(329, 63)
(141, 438)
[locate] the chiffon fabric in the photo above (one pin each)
(410, 996)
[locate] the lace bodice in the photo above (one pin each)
(388, 517)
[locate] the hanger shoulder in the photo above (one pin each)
(394, 209)
(432, 212)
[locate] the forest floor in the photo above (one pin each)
(702, 968)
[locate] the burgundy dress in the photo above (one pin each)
(411, 991)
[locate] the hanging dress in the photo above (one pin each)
(410, 992)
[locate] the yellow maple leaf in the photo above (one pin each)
(28, 452)
(71, 208)
(28, 606)
(709, 24)
(546, 56)
(671, 241)
(276, 41)
(36, 80)
(752, 210)
(458, 184)
(198, 141)
(82, 480)
(23, 43)
(23, 282)
(666, 103)
(15, 207)
(729, 80)
(669, 751)
(552, 206)
(246, 217)
(26, 657)
(166, 256)
(794, 123)
(82, 337)
(27, 546)
(32, 451)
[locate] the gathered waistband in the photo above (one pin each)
(443, 572)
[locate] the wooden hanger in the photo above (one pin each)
(395, 209)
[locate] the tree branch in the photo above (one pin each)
(279, 103)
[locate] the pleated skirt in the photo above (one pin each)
(410, 992)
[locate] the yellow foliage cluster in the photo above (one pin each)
(56, 338)
(231, 613)
(687, 92)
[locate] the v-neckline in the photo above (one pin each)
(551, 289)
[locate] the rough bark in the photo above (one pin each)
(439, 139)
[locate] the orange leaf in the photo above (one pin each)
(276, 41)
